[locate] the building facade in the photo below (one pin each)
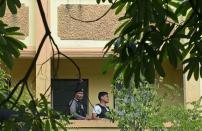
(84, 43)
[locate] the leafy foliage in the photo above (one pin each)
(25, 116)
(138, 109)
(11, 4)
(134, 107)
(154, 31)
(99, 1)
(4, 85)
(31, 114)
(9, 46)
(180, 117)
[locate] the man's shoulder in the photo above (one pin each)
(72, 101)
(102, 107)
(97, 109)
(97, 106)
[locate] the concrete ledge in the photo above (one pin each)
(92, 124)
(28, 52)
(83, 52)
(71, 52)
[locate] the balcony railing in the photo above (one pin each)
(93, 125)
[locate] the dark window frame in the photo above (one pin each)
(76, 80)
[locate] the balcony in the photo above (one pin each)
(92, 125)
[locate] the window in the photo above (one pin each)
(63, 92)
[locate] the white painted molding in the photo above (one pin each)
(29, 40)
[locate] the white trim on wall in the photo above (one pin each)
(29, 40)
(184, 87)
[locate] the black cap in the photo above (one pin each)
(79, 89)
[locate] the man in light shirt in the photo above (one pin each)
(76, 106)
(100, 110)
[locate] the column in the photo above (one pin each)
(192, 89)
(43, 72)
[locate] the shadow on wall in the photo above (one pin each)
(172, 85)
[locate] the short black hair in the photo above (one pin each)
(100, 94)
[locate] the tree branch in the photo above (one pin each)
(28, 73)
(97, 19)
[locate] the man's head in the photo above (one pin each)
(103, 97)
(79, 93)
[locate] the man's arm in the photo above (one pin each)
(73, 112)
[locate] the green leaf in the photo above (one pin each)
(3, 9)
(174, 4)
(47, 126)
(128, 73)
(121, 27)
(165, 29)
(163, 53)
(16, 42)
(108, 46)
(187, 67)
(14, 33)
(118, 70)
(7, 59)
(98, 1)
(196, 71)
(108, 64)
(201, 71)
(129, 27)
(183, 8)
(12, 6)
(2, 24)
(192, 63)
(117, 4)
(110, 1)
(2, 40)
(119, 8)
(149, 72)
(61, 126)
(172, 55)
(17, 3)
(171, 14)
(53, 124)
(12, 49)
(12, 29)
(156, 39)
(159, 68)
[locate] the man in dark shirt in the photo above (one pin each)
(76, 106)
(100, 110)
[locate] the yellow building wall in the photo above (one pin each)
(91, 70)
(19, 70)
(174, 77)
